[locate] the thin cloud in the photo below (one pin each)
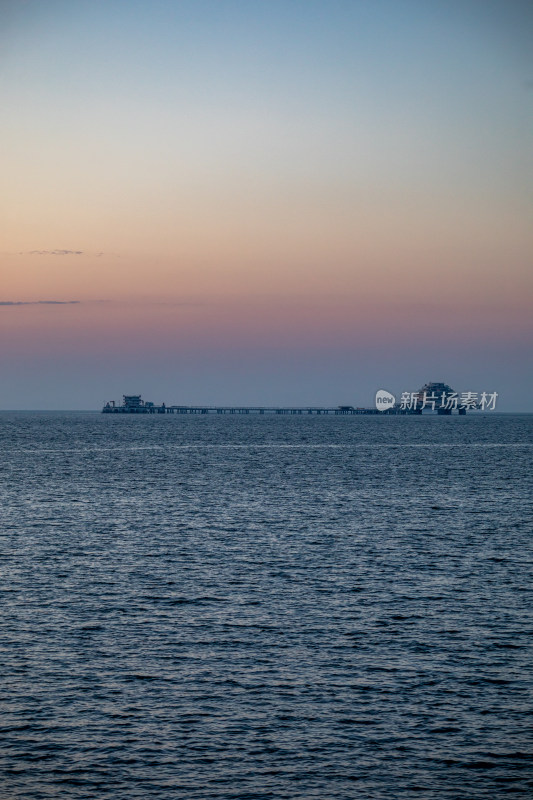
(38, 302)
(62, 252)
(53, 253)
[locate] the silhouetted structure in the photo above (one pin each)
(134, 404)
(438, 397)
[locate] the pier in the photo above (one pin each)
(133, 404)
(423, 401)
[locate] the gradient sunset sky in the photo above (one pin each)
(263, 202)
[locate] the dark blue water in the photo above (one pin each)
(257, 607)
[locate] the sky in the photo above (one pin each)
(265, 202)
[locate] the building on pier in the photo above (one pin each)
(438, 398)
(133, 404)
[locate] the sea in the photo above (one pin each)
(251, 607)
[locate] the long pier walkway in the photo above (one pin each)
(163, 409)
(133, 404)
